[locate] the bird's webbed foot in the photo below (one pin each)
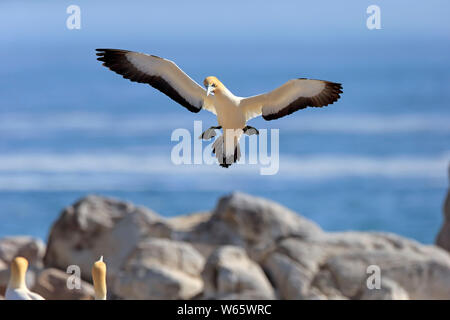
(209, 133)
(248, 130)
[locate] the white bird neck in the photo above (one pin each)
(17, 280)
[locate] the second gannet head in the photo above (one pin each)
(19, 267)
(99, 278)
(17, 287)
(212, 84)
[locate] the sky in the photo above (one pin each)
(205, 21)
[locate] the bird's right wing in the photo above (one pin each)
(160, 73)
(292, 96)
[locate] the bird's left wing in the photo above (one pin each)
(292, 96)
(160, 73)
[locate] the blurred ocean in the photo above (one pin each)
(376, 160)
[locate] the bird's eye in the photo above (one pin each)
(213, 85)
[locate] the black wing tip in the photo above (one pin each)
(330, 94)
(103, 51)
(336, 86)
(111, 50)
(271, 116)
(107, 54)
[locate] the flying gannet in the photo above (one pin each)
(99, 279)
(232, 111)
(17, 288)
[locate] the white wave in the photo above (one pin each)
(370, 124)
(130, 172)
(131, 124)
(360, 166)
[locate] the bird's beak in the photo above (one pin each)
(209, 90)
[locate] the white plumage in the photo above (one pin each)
(232, 111)
(21, 294)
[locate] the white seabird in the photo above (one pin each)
(99, 279)
(232, 111)
(17, 288)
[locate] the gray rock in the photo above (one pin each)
(33, 249)
(52, 285)
(254, 249)
(230, 274)
(97, 226)
(389, 290)
(160, 269)
(253, 223)
(335, 266)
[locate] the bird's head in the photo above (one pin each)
(19, 267)
(99, 278)
(212, 84)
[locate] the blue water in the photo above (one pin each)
(376, 160)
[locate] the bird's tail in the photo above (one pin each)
(226, 148)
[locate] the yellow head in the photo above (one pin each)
(99, 278)
(212, 85)
(19, 267)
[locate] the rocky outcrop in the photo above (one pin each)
(32, 249)
(160, 269)
(53, 285)
(230, 274)
(246, 248)
(95, 227)
(253, 223)
(338, 266)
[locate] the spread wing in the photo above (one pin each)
(292, 96)
(160, 73)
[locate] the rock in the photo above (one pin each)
(32, 249)
(97, 226)
(389, 290)
(249, 222)
(230, 274)
(52, 285)
(254, 248)
(335, 266)
(443, 238)
(160, 269)
(188, 223)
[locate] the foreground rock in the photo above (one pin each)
(32, 249)
(230, 274)
(335, 266)
(160, 269)
(52, 284)
(253, 223)
(253, 248)
(95, 227)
